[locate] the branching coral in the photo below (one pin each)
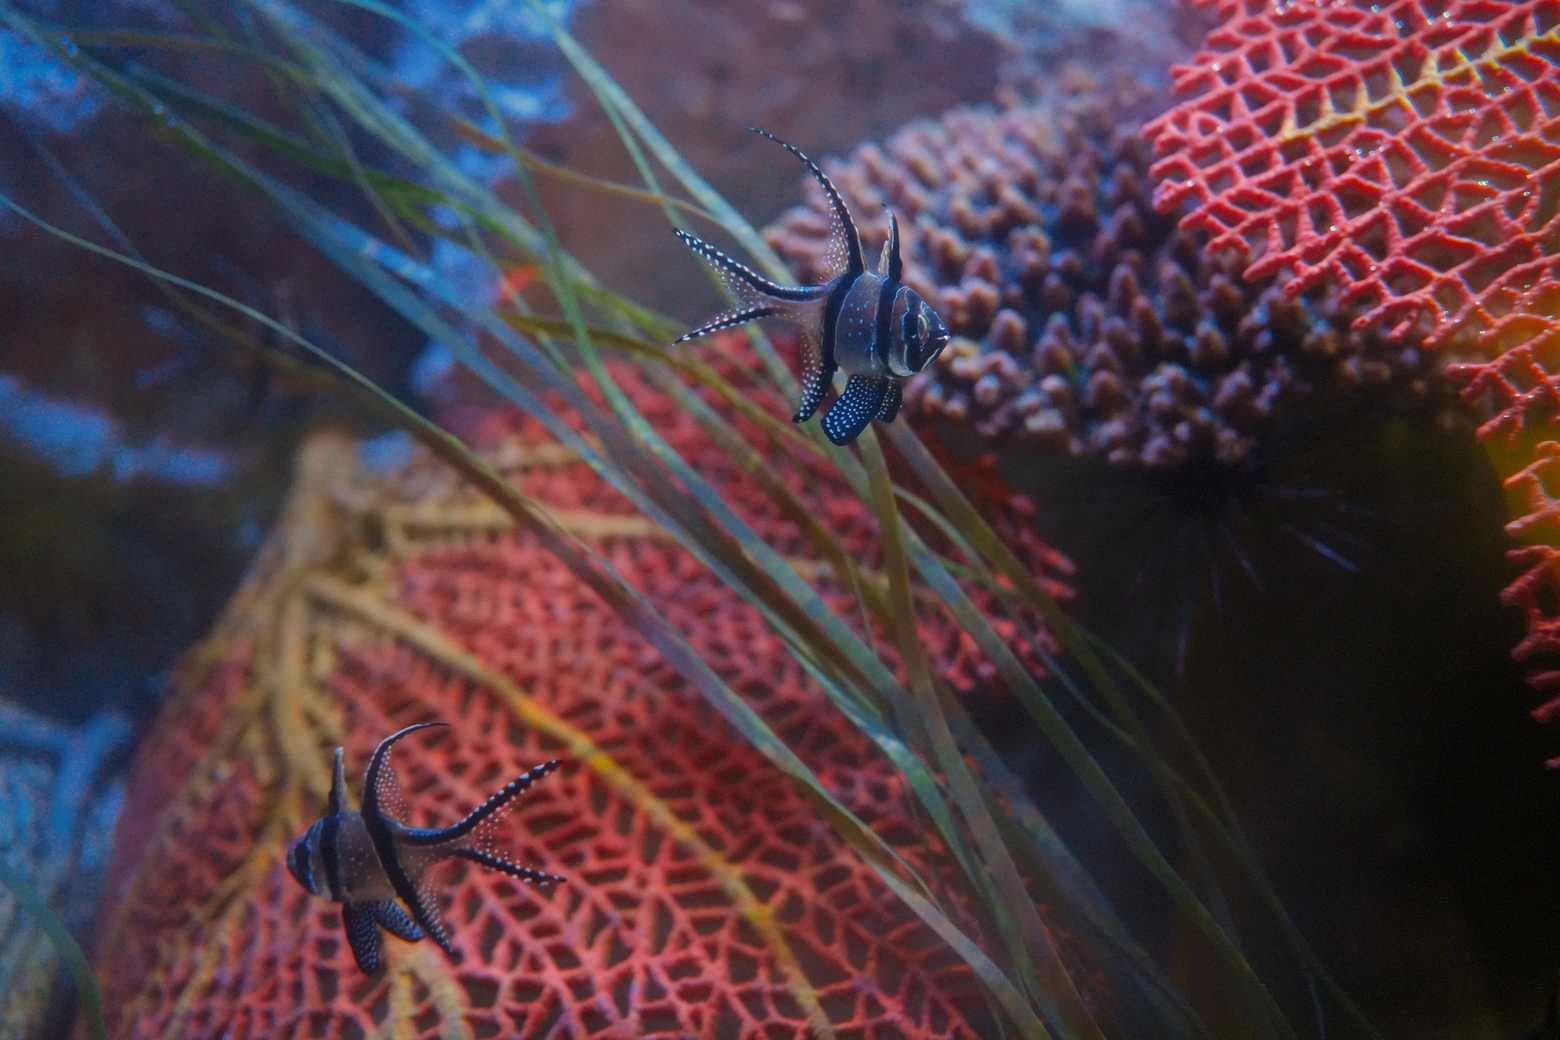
(706, 895)
(1409, 154)
(1086, 320)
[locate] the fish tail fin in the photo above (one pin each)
(514, 870)
(496, 801)
(729, 320)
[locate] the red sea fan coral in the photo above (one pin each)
(1404, 149)
(1409, 152)
(706, 895)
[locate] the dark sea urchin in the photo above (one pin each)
(1083, 320)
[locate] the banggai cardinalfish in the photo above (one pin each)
(376, 866)
(873, 326)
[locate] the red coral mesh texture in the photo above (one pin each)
(1406, 149)
(642, 940)
(1410, 151)
(1535, 591)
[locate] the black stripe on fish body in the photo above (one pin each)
(330, 854)
(381, 833)
(855, 335)
(885, 312)
(813, 389)
(891, 270)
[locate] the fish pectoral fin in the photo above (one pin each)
(397, 921)
(857, 406)
(891, 401)
(358, 921)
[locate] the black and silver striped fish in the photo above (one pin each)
(376, 867)
(873, 326)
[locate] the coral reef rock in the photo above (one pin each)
(706, 895)
(1084, 320)
(58, 803)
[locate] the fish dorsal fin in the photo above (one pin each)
(381, 793)
(384, 813)
(338, 788)
(890, 267)
(846, 239)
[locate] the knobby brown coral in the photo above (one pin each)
(1084, 320)
(706, 895)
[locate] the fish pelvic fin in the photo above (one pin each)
(397, 921)
(358, 921)
(891, 402)
(858, 405)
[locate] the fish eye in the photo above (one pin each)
(923, 331)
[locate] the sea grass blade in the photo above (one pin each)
(1095, 781)
(622, 110)
(1035, 956)
(1058, 868)
(612, 95)
(64, 945)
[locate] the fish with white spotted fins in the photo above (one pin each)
(376, 866)
(871, 325)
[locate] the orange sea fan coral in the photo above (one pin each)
(706, 896)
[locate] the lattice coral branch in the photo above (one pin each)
(1407, 149)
